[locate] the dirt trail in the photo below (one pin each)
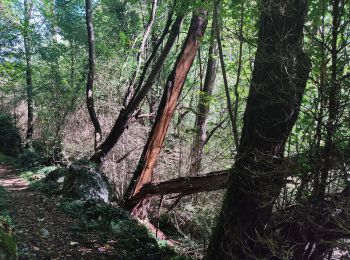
(42, 230)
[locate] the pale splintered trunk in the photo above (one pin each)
(203, 107)
(272, 108)
(91, 74)
(172, 91)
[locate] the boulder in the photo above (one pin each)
(10, 140)
(56, 176)
(53, 181)
(84, 181)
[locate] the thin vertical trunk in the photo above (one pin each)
(316, 147)
(272, 108)
(141, 52)
(333, 105)
(172, 91)
(91, 74)
(203, 106)
(238, 76)
(141, 91)
(223, 70)
(29, 71)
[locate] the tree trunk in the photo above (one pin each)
(172, 91)
(29, 70)
(203, 106)
(230, 111)
(212, 181)
(91, 74)
(141, 92)
(279, 78)
(333, 106)
(141, 52)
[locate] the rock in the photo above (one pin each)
(44, 232)
(56, 175)
(10, 140)
(84, 181)
(8, 248)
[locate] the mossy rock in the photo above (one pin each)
(84, 181)
(50, 179)
(10, 140)
(56, 175)
(8, 247)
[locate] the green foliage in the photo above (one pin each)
(4, 159)
(134, 240)
(37, 173)
(10, 140)
(4, 204)
(8, 248)
(31, 158)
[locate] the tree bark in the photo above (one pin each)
(91, 74)
(203, 106)
(141, 91)
(29, 72)
(212, 181)
(279, 78)
(172, 91)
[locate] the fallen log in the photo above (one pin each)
(184, 185)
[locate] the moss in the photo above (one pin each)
(47, 179)
(84, 181)
(4, 204)
(8, 247)
(134, 240)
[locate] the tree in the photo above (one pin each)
(172, 91)
(204, 105)
(142, 89)
(91, 74)
(28, 56)
(279, 79)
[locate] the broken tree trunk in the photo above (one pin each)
(172, 91)
(184, 186)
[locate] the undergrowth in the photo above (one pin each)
(134, 240)
(8, 247)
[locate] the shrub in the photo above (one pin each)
(10, 140)
(31, 158)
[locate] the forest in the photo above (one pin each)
(175, 129)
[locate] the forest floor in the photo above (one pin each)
(42, 230)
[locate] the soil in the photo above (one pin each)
(43, 231)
